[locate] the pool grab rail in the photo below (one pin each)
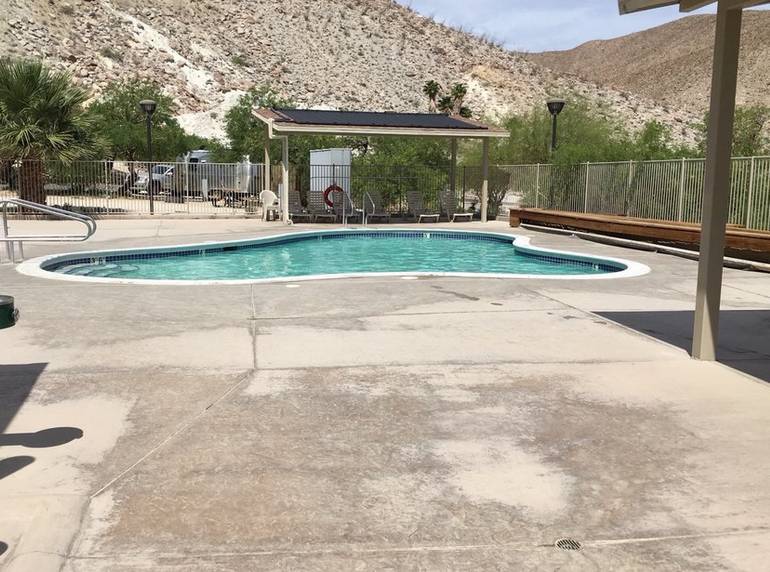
(12, 240)
(349, 208)
(362, 211)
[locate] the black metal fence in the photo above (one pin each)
(104, 188)
(110, 188)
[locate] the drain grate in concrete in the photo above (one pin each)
(568, 544)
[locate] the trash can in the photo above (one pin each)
(252, 205)
(9, 315)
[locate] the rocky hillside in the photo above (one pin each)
(344, 54)
(680, 74)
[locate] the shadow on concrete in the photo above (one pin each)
(3, 548)
(10, 465)
(744, 335)
(52, 437)
(16, 383)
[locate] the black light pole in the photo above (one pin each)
(149, 106)
(554, 107)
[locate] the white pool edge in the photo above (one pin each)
(34, 266)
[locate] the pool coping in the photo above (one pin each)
(34, 266)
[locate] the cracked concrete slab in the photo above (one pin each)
(379, 423)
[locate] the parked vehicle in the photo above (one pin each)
(162, 180)
(196, 178)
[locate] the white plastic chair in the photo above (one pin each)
(269, 203)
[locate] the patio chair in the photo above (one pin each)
(318, 209)
(448, 201)
(374, 208)
(296, 210)
(417, 207)
(269, 204)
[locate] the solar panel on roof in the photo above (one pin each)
(376, 119)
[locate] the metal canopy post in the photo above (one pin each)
(716, 195)
(484, 179)
(453, 169)
(284, 199)
(267, 182)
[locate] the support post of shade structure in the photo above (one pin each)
(284, 198)
(266, 185)
(484, 179)
(716, 193)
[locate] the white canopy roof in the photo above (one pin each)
(628, 6)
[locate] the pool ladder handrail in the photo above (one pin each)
(12, 240)
(364, 218)
(362, 210)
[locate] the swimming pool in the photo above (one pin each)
(332, 254)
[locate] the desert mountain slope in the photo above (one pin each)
(343, 54)
(671, 63)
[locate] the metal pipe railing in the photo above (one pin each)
(11, 240)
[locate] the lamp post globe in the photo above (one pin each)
(555, 107)
(148, 106)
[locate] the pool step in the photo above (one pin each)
(101, 270)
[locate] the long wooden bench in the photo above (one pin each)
(738, 239)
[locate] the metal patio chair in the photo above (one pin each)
(296, 210)
(373, 206)
(318, 209)
(417, 207)
(449, 207)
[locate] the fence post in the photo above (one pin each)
(750, 199)
(537, 186)
(626, 206)
(106, 189)
(681, 192)
(187, 184)
(585, 202)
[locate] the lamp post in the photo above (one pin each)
(148, 106)
(554, 108)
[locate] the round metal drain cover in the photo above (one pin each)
(567, 544)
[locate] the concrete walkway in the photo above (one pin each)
(381, 423)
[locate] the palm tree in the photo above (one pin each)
(459, 91)
(446, 104)
(432, 89)
(41, 119)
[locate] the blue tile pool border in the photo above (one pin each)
(47, 266)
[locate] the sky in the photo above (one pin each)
(540, 25)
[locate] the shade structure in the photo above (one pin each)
(281, 123)
(630, 6)
(374, 123)
(716, 192)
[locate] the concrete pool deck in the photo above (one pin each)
(381, 423)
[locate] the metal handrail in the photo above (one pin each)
(365, 219)
(10, 240)
(345, 212)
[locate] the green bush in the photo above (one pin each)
(111, 54)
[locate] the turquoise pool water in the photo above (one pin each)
(327, 253)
